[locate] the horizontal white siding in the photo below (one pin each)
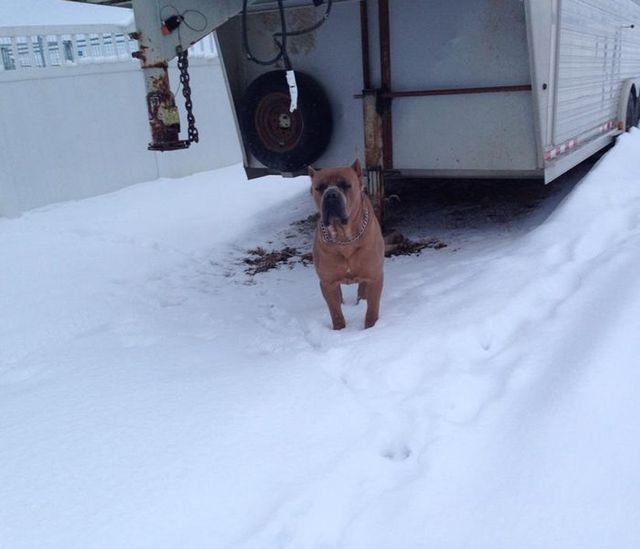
(598, 51)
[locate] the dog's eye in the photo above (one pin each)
(321, 188)
(344, 186)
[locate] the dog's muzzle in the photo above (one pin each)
(334, 206)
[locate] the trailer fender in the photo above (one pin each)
(284, 140)
(629, 107)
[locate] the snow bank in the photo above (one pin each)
(152, 395)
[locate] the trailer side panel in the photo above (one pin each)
(598, 51)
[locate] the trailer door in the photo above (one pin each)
(460, 87)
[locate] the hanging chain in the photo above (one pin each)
(183, 67)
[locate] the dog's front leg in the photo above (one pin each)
(362, 291)
(373, 291)
(332, 294)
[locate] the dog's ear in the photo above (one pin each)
(356, 167)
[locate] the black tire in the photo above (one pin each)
(284, 141)
(636, 114)
(632, 110)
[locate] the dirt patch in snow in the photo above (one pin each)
(261, 260)
(398, 244)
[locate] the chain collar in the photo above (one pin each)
(326, 237)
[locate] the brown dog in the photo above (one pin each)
(348, 246)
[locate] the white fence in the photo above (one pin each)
(41, 47)
(45, 47)
(73, 118)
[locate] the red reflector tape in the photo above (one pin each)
(567, 146)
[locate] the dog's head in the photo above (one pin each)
(337, 192)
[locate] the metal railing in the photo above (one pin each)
(24, 48)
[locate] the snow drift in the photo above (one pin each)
(152, 395)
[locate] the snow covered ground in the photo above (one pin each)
(153, 395)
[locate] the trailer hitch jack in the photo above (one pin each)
(164, 119)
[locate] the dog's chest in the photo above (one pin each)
(349, 271)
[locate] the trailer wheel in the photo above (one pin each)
(633, 113)
(282, 140)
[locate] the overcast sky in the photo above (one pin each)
(58, 12)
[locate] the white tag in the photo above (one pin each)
(293, 90)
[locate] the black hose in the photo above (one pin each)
(313, 27)
(281, 45)
(283, 34)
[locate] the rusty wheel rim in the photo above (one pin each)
(278, 129)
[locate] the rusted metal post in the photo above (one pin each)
(376, 159)
(364, 38)
(374, 151)
(164, 119)
(385, 72)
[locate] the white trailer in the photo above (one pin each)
(416, 88)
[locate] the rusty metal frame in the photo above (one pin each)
(377, 107)
(372, 124)
(385, 73)
(116, 3)
(460, 91)
(452, 91)
(364, 39)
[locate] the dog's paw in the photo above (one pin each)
(339, 324)
(370, 322)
